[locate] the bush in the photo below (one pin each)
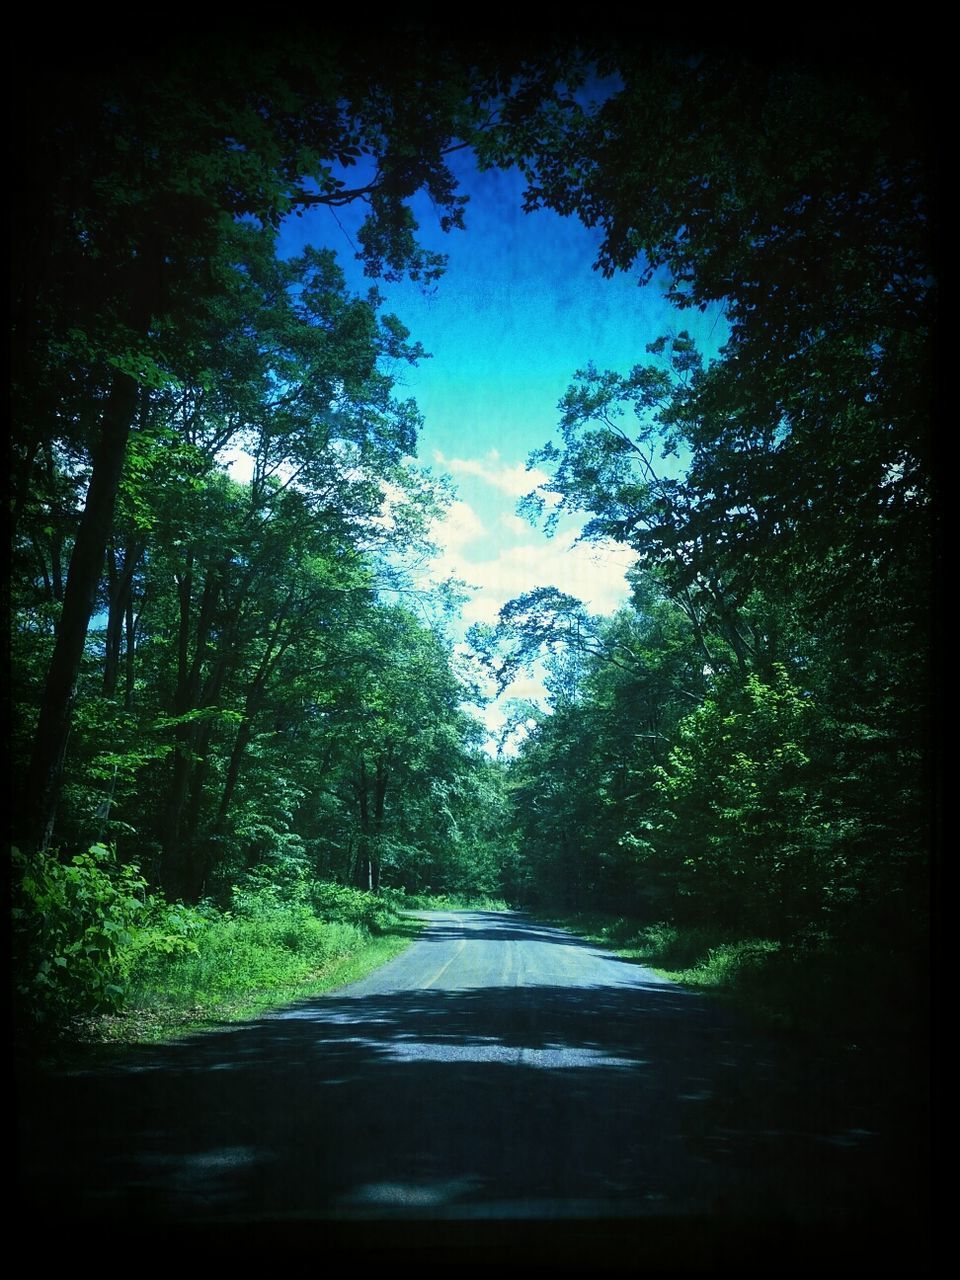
(741, 833)
(702, 956)
(671, 947)
(89, 939)
(76, 926)
(239, 955)
(730, 963)
(273, 938)
(357, 906)
(457, 902)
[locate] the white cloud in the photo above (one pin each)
(500, 556)
(592, 573)
(514, 479)
(479, 608)
(493, 716)
(526, 688)
(239, 463)
(516, 524)
(393, 496)
(459, 526)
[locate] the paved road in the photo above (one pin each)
(497, 1069)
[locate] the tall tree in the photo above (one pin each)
(800, 194)
(153, 165)
(783, 493)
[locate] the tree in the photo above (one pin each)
(618, 688)
(742, 833)
(781, 493)
(800, 195)
(154, 167)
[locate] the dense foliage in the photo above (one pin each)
(218, 678)
(749, 745)
(223, 690)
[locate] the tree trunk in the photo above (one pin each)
(195, 858)
(130, 640)
(42, 788)
(56, 535)
(361, 876)
(121, 597)
(244, 734)
(45, 574)
(277, 646)
(174, 872)
(20, 473)
(380, 795)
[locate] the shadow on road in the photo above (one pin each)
(537, 1103)
(501, 928)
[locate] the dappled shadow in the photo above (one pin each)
(442, 932)
(514, 1101)
(495, 926)
(404, 928)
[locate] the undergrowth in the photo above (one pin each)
(99, 957)
(454, 902)
(845, 987)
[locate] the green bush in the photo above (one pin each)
(357, 906)
(265, 944)
(89, 939)
(699, 955)
(740, 833)
(670, 947)
(76, 927)
(727, 964)
(457, 902)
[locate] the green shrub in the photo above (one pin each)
(727, 964)
(89, 939)
(357, 906)
(236, 954)
(670, 947)
(76, 926)
(457, 902)
(700, 955)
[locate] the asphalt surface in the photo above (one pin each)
(498, 1069)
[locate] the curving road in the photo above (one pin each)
(497, 1069)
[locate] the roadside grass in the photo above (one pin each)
(236, 978)
(693, 956)
(848, 990)
(239, 968)
(454, 902)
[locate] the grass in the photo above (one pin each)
(243, 967)
(757, 975)
(455, 902)
(694, 956)
(851, 991)
(199, 968)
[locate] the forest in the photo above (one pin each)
(244, 731)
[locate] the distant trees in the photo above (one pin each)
(207, 671)
(779, 497)
(145, 276)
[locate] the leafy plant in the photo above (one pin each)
(739, 822)
(75, 924)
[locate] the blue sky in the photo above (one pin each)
(517, 312)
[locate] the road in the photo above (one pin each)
(498, 1069)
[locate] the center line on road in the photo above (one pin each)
(441, 972)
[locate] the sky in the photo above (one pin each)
(518, 311)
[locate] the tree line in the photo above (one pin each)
(749, 743)
(214, 675)
(209, 673)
